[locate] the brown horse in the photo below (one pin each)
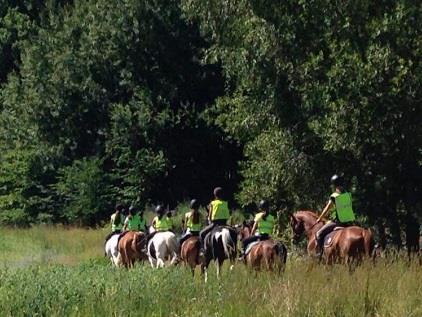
(268, 253)
(347, 245)
(131, 244)
(189, 253)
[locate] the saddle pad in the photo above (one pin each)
(328, 239)
(250, 246)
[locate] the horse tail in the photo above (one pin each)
(281, 251)
(228, 243)
(357, 248)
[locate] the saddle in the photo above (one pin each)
(328, 239)
(250, 246)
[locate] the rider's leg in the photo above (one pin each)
(203, 234)
(183, 238)
(321, 233)
(246, 242)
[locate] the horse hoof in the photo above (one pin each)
(231, 267)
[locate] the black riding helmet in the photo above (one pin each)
(337, 180)
(132, 209)
(160, 209)
(194, 204)
(263, 205)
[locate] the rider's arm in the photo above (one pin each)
(254, 228)
(153, 223)
(209, 211)
(125, 224)
(326, 209)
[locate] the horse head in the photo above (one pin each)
(298, 226)
(244, 230)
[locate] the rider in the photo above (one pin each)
(218, 214)
(340, 204)
(191, 223)
(135, 221)
(116, 220)
(264, 222)
(161, 222)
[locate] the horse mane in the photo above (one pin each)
(308, 213)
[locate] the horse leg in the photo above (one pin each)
(153, 262)
(219, 267)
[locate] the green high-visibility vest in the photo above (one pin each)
(343, 211)
(219, 210)
(116, 224)
(136, 223)
(265, 226)
(195, 227)
(163, 224)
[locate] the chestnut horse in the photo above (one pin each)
(268, 253)
(189, 253)
(131, 244)
(347, 245)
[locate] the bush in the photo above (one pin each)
(15, 217)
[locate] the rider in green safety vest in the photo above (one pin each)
(263, 224)
(340, 205)
(116, 221)
(135, 221)
(191, 223)
(162, 222)
(218, 214)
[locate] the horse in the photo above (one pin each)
(346, 245)
(131, 244)
(112, 249)
(189, 253)
(220, 244)
(161, 246)
(270, 253)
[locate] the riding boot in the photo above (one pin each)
(319, 247)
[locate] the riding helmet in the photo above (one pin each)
(194, 204)
(263, 205)
(218, 192)
(132, 209)
(337, 180)
(159, 209)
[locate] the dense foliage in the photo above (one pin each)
(161, 101)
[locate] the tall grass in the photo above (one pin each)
(91, 287)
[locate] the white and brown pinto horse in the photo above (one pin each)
(161, 247)
(125, 248)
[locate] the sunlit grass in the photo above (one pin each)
(91, 287)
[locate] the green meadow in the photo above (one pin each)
(53, 271)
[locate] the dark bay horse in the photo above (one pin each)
(269, 253)
(347, 245)
(189, 253)
(220, 244)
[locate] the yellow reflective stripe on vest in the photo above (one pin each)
(344, 207)
(189, 223)
(266, 226)
(219, 210)
(163, 224)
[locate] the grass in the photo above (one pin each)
(78, 281)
